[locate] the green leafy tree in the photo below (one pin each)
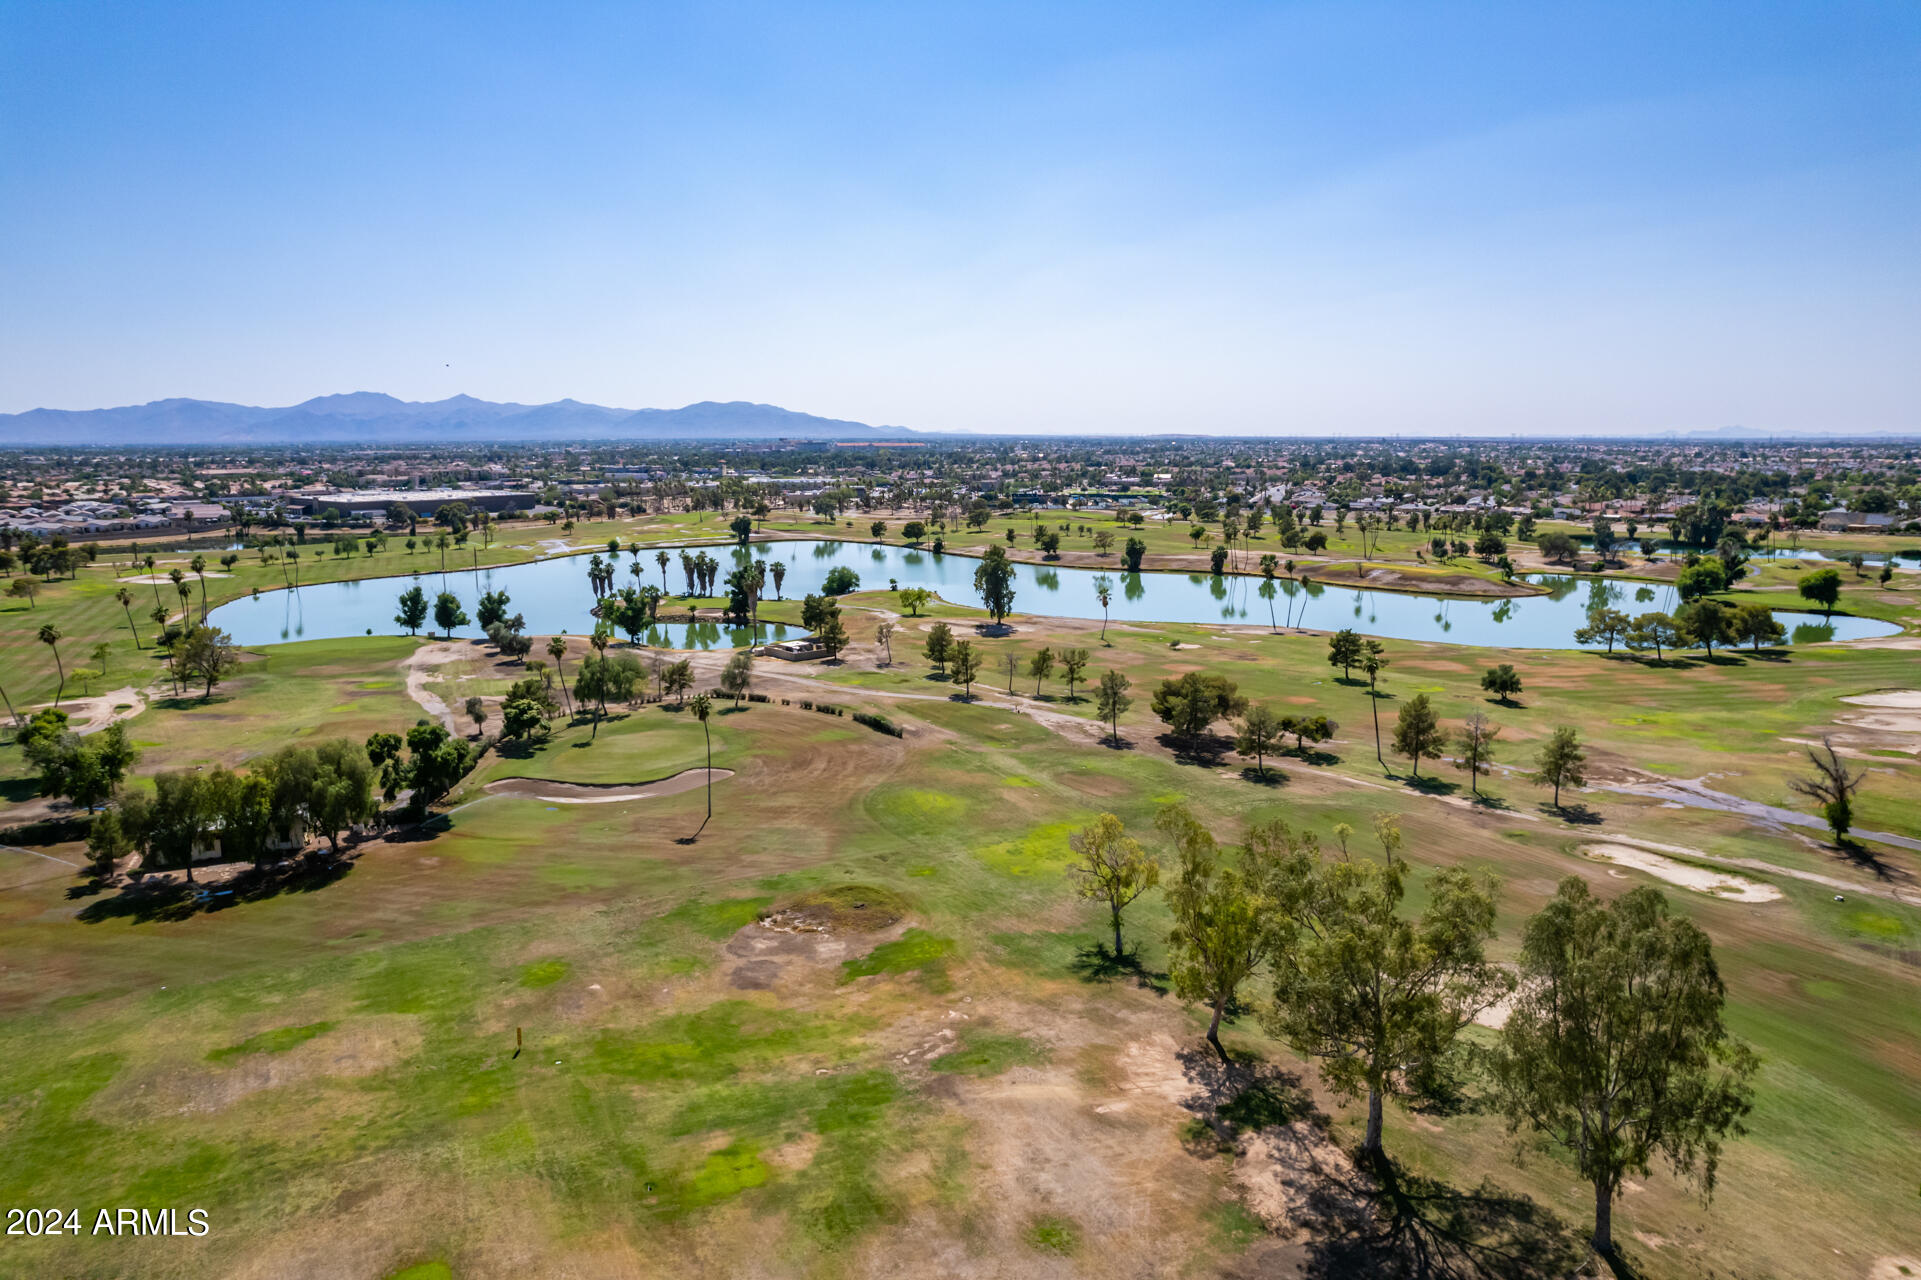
(1702, 579)
(1260, 733)
(1706, 623)
(1112, 868)
(1073, 668)
(1655, 630)
(1822, 587)
(1224, 927)
(1754, 624)
(1191, 703)
(413, 609)
(914, 599)
(1040, 666)
(491, 609)
(448, 614)
(1561, 762)
(1417, 732)
(108, 841)
(839, 581)
(1344, 650)
(1132, 555)
(1111, 701)
(1379, 995)
(940, 645)
(967, 666)
(205, 655)
(1604, 626)
(737, 677)
(1502, 681)
(1475, 744)
(1615, 1050)
(994, 580)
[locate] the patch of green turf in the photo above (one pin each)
(424, 1271)
(1236, 1228)
(279, 1040)
(715, 1043)
(725, 1174)
(1042, 852)
(1050, 1234)
(988, 1053)
(916, 949)
(544, 973)
(718, 920)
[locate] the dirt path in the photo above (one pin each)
(92, 714)
(419, 666)
(604, 793)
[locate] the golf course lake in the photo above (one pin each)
(553, 596)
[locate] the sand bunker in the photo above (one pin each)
(1893, 711)
(1717, 884)
(590, 793)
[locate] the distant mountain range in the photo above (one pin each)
(371, 418)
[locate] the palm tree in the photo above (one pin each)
(153, 581)
(11, 713)
(780, 576)
(663, 560)
(51, 636)
(557, 649)
(1104, 592)
(703, 707)
(199, 565)
(125, 597)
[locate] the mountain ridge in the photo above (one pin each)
(374, 417)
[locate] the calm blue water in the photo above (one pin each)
(554, 597)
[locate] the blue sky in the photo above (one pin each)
(1367, 218)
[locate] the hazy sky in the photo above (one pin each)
(1176, 216)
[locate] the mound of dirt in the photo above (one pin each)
(847, 908)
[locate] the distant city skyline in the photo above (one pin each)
(1386, 219)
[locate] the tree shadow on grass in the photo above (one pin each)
(1315, 756)
(1428, 784)
(1097, 963)
(1207, 750)
(1578, 814)
(18, 790)
(1860, 857)
(1399, 1224)
(190, 701)
(1113, 743)
(147, 902)
(1264, 778)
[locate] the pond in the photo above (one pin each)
(554, 596)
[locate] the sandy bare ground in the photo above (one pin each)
(419, 666)
(1892, 711)
(605, 793)
(94, 713)
(1904, 892)
(1718, 884)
